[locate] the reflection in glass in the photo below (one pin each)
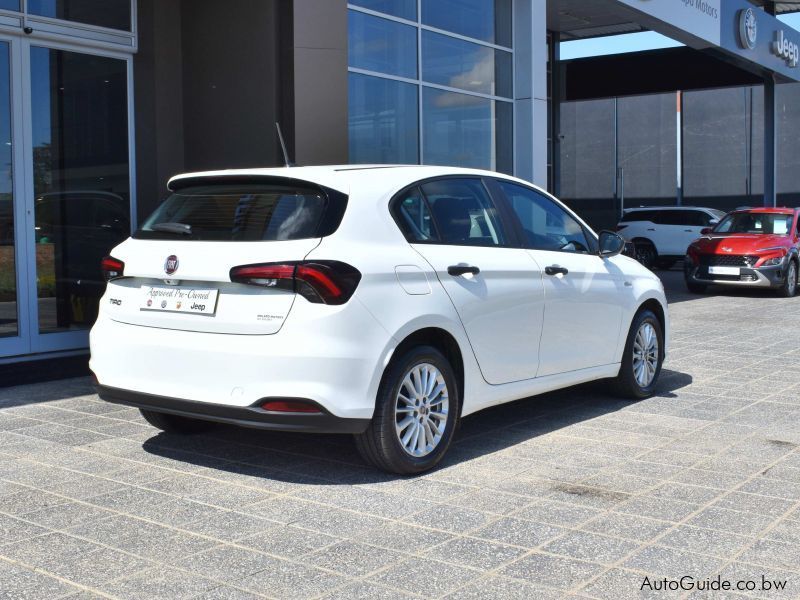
(115, 14)
(384, 123)
(485, 20)
(466, 131)
(8, 272)
(81, 179)
(10, 5)
(405, 9)
(382, 45)
(455, 63)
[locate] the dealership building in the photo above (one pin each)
(101, 101)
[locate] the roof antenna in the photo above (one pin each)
(286, 160)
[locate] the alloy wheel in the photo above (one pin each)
(645, 355)
(421, 409)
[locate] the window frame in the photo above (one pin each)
(519, 233)
(46, 29)
(509, 227)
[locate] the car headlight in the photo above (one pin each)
(773, 262)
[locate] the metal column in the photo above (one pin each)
(770, 142)
(770, 137)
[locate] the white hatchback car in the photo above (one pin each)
(384, 301)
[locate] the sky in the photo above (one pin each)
(635, 42)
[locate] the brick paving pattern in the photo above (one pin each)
(572, 494)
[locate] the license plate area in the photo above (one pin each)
(186, 300)
(736, 271)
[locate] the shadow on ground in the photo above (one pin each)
(332, 459)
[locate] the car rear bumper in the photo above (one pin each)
(337, 367)
(244, 416)
(764, 277)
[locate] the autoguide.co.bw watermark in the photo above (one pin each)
(689, 583)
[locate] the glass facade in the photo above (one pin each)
(65, 184)
(114, 14)
(81, 179)
(431, 88)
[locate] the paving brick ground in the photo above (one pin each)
(573, 494)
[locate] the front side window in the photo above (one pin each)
(545, 225)
(463, 213)
(753, 222)
(246, 213)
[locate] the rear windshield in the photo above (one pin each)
(241, 213)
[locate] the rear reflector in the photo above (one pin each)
(290, 406)
(112, 268)
(321, 282)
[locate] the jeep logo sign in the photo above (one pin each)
(783, 48)
(171, 264)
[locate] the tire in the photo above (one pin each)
(646, 253)
(626, 383)
(381, 444)
(695, 288)
(174, 423)
(789, 287)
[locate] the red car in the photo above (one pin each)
(754, 247)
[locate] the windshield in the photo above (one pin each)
(244, 213)
(753, 222)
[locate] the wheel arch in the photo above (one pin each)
(444, 342)
(643, 240)
(655, 306)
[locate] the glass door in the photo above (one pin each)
(14, 313)
(79, 178)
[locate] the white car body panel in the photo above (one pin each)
(336, 355)
(501, 309)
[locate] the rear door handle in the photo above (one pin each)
(651, 229)
(458, 270)
(553, 270)
(689, 230)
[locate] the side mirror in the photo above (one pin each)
(706, 230)
(610, 244)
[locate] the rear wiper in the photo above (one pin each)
(181, 228)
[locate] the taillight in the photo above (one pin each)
(112, 268)
(321, 282)
(290, 406)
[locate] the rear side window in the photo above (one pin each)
(675, 217)
(245, 213)
(463, 213)
(639, 215)
(414, 217)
